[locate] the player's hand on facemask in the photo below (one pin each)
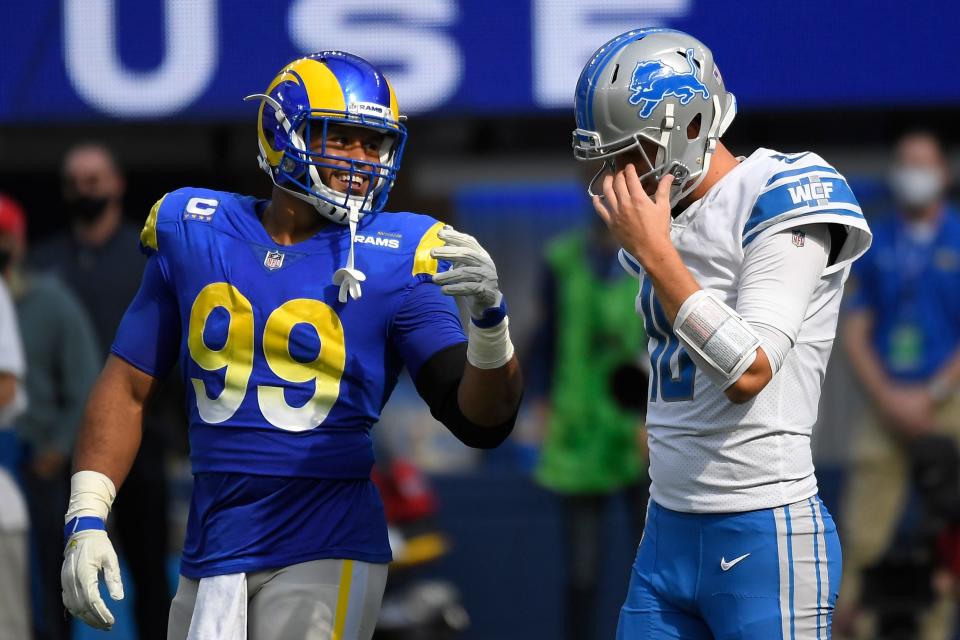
(472, 277)
(641, 223)
(87, 554)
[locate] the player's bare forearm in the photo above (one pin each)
(674, 283)
(490, 397)
(752, 381)
(671, 279)
(110, 432)
(642, 226)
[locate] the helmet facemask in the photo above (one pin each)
(309, 96)
(677, 152)
(298, 173)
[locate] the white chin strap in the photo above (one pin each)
(348, 278)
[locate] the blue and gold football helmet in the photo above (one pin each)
(307, 97)
(302, 101)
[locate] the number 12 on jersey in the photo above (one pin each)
(672, 371)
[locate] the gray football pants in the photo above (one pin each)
(317, 600)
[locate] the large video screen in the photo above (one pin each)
(196, 59)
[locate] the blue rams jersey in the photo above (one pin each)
(283, 380)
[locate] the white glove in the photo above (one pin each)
(87, 553)
(473, 276)
(88, 550)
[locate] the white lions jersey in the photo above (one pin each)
(707, 454)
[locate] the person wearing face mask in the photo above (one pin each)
(97, 257)
(92, 256)
(902, 336)
(61, 347)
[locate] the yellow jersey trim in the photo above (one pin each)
(423, 262)
(148, 235)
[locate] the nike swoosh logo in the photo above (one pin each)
(726, 566)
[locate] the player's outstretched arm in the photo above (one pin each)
(491, 385)
(106, 446)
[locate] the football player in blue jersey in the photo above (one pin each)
(291, 320)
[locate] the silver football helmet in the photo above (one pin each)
(648, 85)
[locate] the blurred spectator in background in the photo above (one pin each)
(902, 335)
(61, 347)
(14, 523)
(590, 342)
(99, 260)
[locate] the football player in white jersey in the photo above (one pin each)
(741, 263)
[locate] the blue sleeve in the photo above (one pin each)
(149, 333)
(425, 323)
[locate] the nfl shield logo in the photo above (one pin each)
(799, 237)
(274, 260)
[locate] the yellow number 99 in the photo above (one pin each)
(236, 355)
(325, 370)
(236, 358)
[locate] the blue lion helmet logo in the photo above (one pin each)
(653, 81)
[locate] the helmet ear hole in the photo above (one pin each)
(693, 128)
(292, 168)
(616, 70)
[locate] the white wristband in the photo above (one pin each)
(489, 348)
(91, 494)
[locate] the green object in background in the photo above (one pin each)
(591, 444)
(906, 348)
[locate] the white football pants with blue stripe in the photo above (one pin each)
(758, 575)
